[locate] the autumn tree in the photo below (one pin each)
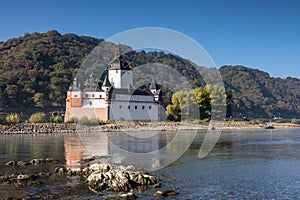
(198, 104)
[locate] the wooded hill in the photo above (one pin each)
(37, 69)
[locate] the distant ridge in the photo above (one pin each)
(37, 69)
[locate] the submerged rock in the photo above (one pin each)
(10, 163)
(37, 161)
(43, 160)
(127, 196)
(62, 171)
(20, 180)
(4, 179)
(165, 193)
(22, 163)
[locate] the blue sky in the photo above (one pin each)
(263, 34)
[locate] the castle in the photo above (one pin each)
(114, 98)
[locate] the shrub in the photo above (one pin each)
(110, 121)
(56, 119)
(73, 120)
(280, 121)
(101, 122)
(13, 118)
(295, 121)
(88, 122)
(38, 117)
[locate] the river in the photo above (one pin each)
(252, 164)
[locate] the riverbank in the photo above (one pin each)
(38, 128)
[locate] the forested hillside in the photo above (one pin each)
(256, 94)
(37, 69)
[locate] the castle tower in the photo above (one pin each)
(154, 90)
(74, 99)
(119, 73)
(106, 85)
(74, 95)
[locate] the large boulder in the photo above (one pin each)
(117, 178)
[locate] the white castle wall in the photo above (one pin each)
(137, 107)
(126, 78)
(120, 78)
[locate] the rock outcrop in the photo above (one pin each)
(102, 176)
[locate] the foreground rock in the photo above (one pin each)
(20, 180)
(117, 178)
(102, 176)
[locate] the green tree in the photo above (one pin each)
(173, 110)
(204, 101)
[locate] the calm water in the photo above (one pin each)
(258, 164)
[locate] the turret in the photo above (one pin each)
(154, 90)
(106, 84)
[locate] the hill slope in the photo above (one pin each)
(37, 69)
(256, 94)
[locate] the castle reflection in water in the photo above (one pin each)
(82, 146)
(119, 148)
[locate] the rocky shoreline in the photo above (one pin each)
(38, 128)
(35, 128)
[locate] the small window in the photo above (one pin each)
(128, 107)
(75, 95)
(93, 95)
(100, 96)
(86, 95)
(91, 103)
(135, 107)
(116, 71)
(149, 107)
(120, 106)
(143, 107)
